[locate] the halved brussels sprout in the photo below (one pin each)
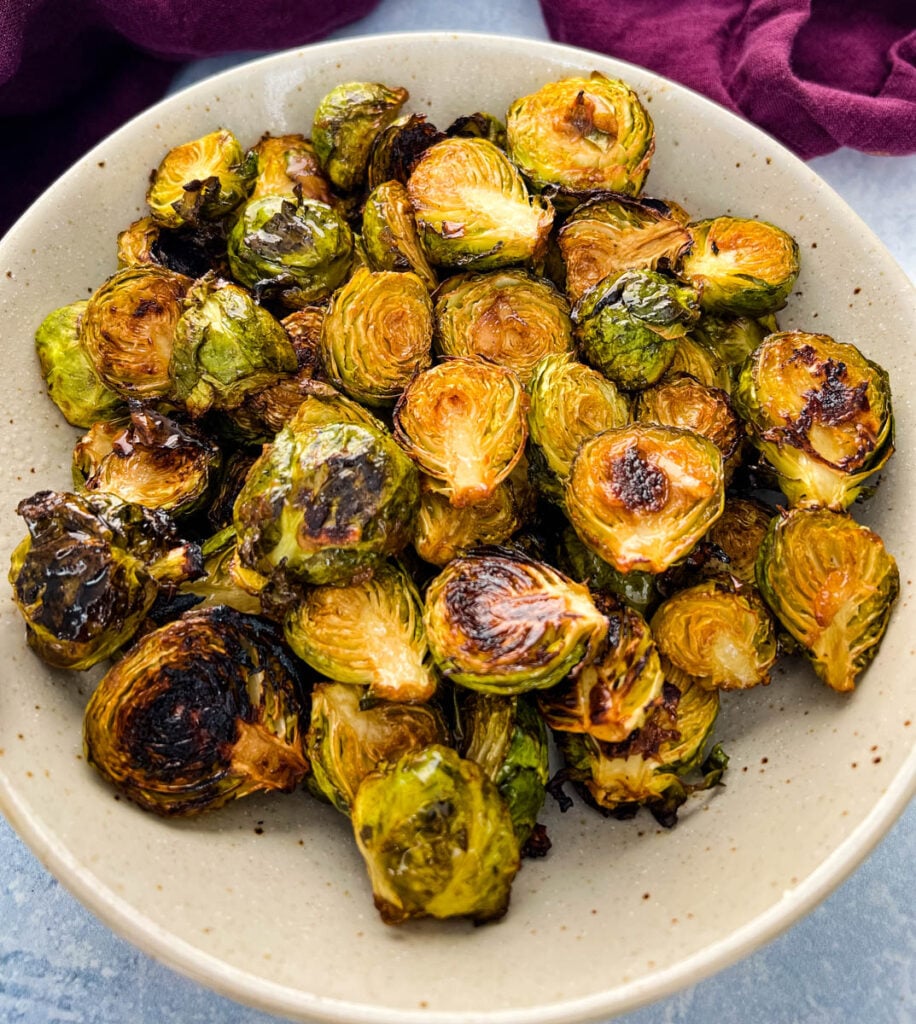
(73, 384)
(832, 584)
(397, 148)
(628, 326)
(741, 267)
(437, 839)
(347, 740)
(377, 335)
(192, 249)
(204, 710)
(479, 125)
(739, 532)
(390, 233)
(224, 582)
(694, 358)
(287, 165)
(506, 316)
(200, 180)
(500, 622)
(463, 422)
(733, 338)
(636, 589)
(582, 135)
(820, 413)
(641, 496)
(473, 208)
(136, 241)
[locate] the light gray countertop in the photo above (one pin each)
(852, 961)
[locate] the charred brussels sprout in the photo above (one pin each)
(398, 147)
(739, 532)
(832, 584)
(500, 622)
(136, 243)
(820, 413)
(303, 328)
(287, 165)
(437, 839)
(463, 422)
(642, 496)
(193, 249)
(473, 209)
(390, 233)
(202, 711)
(636, 589)
(479, 125)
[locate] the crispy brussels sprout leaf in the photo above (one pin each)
(287, 165)
(390, 236)
(739, 532)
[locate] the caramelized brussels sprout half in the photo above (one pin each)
(637, 589)
(390, 236)
(694, 358)
(506, 316)
(199, 712)
(733, 338)
(224, 582)
(500, 622)
(832, 584)
(641, 496)
(287, 165)
(437, 839)
(463, 422)
(820, 413)
(473, 209)
(398, 147)
(200, 180)
(739, 532)
(741, 267)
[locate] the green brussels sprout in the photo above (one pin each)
(500, 622)
(437, 839)
(694, 358)
(832, 584)
(347, 740)
(223, 581)
(463, 422)
(327, 504)
(582, 135)
(287, 165)
(741, 267)
(390, 233)
(609, 235)
(479, 125)
(473, 208)
(298, 249)
(507, 738)
(733, 338)
(641, 496)
(346, 124)
(369, 632)
(73, 385)
(128, 330)
(739, 532)
(506, 316)
(820, 413)
(201, 180)
(201, 711)
(628, 327)
(637, 589)
(377, 335)
(397, 148)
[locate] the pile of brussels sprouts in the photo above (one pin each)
(403, 447)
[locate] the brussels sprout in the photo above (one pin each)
(473, 208)
(128, 330)
(506, 316)
(327, 504)
(606, 236)
(500, 622)
(303, 328)
(739, 532)
(298, 249)
(193, 249)
(235, 469)
(507, 738)
(694, 358)
(346, 124)
(741, 267)
(224, 582)
(370, 633)
(832, 584)
(398, 147)
(73, 385)
(463, 421)
(390, 233)
(201, 180)
(347, 741)
(580, 563)
(820, 413)
(733, 338)
(479, 126)
(437, 839)
(136, 241)
(377, 335)
(287, 165)
(204, 710)
(628, 327)
(641, 496)
(614, 694)
(582, 135)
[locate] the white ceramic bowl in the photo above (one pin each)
(268, 901)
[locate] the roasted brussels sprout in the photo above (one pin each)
(500, 622)
(694, 358)
(832, 584)
(398, 147)
(733, 338)
(287, 165)
(136, 241)
(637, 589)
(506, 316)
(741, 267)
(628, 326)
(201, 711)
(303, 328)
(437, 839)
(463, 422)
(473, 209)
(820, 413)
(201, 180)
(377, 335)
(193, 249)
(224, 581)
(739, 533)
(347, 740)
(641, 496)
(582, 135)
(479, 125)
(390, 236)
